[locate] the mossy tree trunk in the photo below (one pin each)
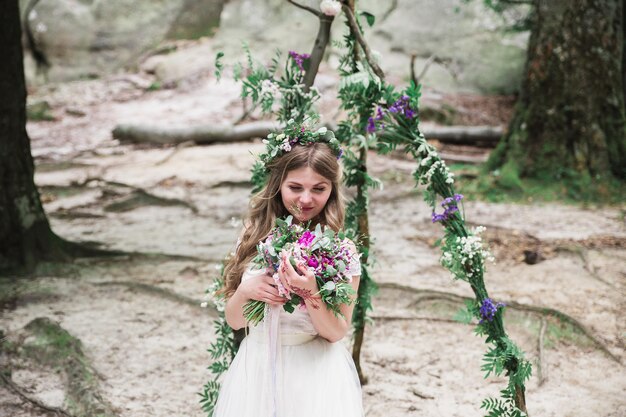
(569, 120)
(25, 234)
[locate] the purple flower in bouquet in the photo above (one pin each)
(312, 262)
(488, 310)
(325, 252)
(306, 239)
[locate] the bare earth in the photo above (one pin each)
(150, 351)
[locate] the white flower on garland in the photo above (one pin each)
(330, 7)
(269, 88)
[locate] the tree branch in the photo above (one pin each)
(307, 8)
(317, 54)
(543, 311)
(366, 49)
(518, 2)
(541, 361)
(392, 7)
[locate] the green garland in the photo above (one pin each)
(265, 87)
(391, 119)
(222, 351)
(371, 104)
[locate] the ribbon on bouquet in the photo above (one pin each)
(272, 330)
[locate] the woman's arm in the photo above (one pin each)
(330, 327)
(260, 287)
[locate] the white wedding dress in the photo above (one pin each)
(284, 369)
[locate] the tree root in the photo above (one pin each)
(408, 318)
(582, 252)
(543, 311)
(178, 147)
(55, 348)
(17, 390)
(541, 368)
(141, 197)
(163, 293)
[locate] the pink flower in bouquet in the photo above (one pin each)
(306, 239)
(312, 262)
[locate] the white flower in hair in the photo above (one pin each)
(330, 7)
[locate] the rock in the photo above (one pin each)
(91, 38)
(532, 257)
(476, 55)
(75, 111)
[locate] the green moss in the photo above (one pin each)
(52, 344)
(508, 177)
(503, 185)
(559, 332)
(155, 86)
(444, 115)
(39, 111)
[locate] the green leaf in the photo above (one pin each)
(369, 17)
(218, 65)
(288, 307)
(463, 316)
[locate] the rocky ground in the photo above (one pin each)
(176, 212)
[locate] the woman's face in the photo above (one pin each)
(305, 193)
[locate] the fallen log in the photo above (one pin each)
(203, 134)
(199, 134)
(469, 135)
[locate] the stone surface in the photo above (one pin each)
(90, 38)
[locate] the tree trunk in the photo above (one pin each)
(569, 120)
(25, 234)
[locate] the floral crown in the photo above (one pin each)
(277, 144)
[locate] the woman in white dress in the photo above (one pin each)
(290, 365)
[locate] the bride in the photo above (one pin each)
(290, 364)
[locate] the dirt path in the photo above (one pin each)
(150, 352)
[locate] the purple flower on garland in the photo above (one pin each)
(403, 107)
(451, 200)
(371, 122)
(438, 217)
(371, 125)
(299, 59)
(488, 310)
(340, 154)
(449, 204)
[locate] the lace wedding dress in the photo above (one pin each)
(284, 369)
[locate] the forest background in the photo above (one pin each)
(171, 211)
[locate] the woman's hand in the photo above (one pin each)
(301, 282)
(262, 288)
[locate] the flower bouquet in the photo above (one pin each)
(323, 251)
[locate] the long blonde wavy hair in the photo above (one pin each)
(267, 205)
